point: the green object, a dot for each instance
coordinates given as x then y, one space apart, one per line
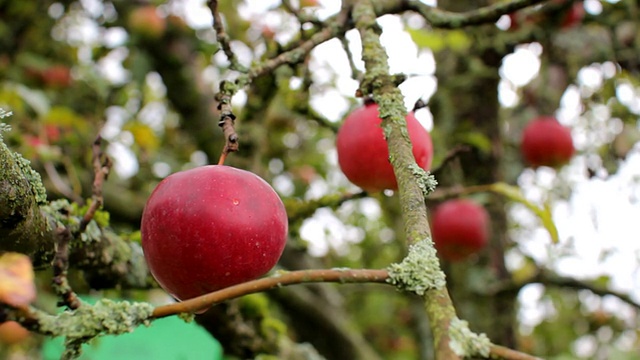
165 339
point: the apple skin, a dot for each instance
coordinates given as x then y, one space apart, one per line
211 227
545 142
363 153
459 228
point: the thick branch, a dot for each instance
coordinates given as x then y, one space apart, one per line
450 20
22 227
29 227
378 81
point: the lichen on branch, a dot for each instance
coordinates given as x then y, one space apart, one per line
419 271
465 342
29 225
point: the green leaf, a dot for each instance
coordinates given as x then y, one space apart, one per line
478 141
544 213
457 40
427 39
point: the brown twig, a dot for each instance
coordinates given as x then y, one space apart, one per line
296 55
501 352
302 17
223 38
227 120
298 210
279 280
60 266
355 73
449 156
101 167
548 279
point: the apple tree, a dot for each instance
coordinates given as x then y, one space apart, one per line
330 138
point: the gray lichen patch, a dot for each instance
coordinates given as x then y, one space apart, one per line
106 317
465 342
419 271
426 181
33 177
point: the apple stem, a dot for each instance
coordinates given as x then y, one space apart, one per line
227 119
231 138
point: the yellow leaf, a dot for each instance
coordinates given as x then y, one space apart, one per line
543 213
17 287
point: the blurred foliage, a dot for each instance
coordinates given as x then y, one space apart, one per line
70 70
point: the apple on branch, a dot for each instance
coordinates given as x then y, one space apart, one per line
211 227
545 142
363 153
459 228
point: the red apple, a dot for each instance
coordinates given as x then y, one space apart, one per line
146 22
459 228
363 154
546 143
211 227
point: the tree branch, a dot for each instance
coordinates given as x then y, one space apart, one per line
279 280
378 81
29 225
223 38
548 279
501 352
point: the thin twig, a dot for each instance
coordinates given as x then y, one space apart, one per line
227 120
101 167
298 54
501 352
302 210
302 17
450 156
60 266
547 279
355 73
223 38
59 184
289 278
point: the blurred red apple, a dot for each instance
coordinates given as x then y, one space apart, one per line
57 76
573 15
211 227
545 142
147 22
363 154
459 228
